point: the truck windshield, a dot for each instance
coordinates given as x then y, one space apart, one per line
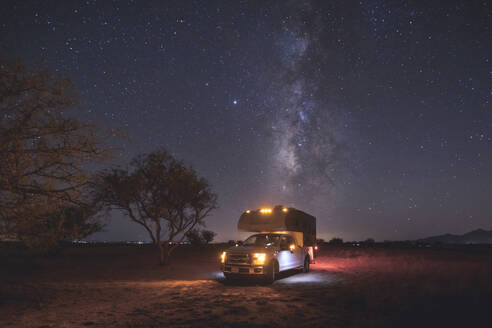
262 240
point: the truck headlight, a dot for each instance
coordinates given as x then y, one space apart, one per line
259 258
223 257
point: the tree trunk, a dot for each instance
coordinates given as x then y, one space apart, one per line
166 253
161 254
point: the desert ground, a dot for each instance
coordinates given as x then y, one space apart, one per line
122 286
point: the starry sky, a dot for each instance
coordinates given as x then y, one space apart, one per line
372 115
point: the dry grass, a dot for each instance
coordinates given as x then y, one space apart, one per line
122 287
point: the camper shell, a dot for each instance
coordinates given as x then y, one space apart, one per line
281 219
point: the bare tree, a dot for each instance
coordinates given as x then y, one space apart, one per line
43 150
161 194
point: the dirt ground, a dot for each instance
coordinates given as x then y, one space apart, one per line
347 287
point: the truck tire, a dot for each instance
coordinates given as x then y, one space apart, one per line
305 268
272 272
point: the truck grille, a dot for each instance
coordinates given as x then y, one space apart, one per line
239 259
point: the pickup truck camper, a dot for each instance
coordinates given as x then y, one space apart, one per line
284 239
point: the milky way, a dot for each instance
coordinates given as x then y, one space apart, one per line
309 145
306 145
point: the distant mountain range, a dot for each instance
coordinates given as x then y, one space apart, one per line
478 236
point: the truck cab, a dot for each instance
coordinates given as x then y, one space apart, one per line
274 248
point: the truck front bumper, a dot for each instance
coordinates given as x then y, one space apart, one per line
242 269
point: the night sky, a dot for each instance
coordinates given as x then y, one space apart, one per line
374 116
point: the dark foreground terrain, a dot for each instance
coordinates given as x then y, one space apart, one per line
120 286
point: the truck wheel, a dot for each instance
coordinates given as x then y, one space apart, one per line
305 268
272 272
